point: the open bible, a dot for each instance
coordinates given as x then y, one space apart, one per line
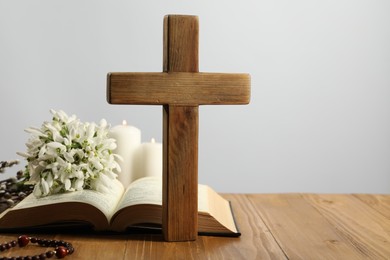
120 210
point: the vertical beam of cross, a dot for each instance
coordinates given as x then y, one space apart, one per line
180 128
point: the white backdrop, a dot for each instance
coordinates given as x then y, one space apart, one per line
319 118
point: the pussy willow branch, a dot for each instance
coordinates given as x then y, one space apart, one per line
5 164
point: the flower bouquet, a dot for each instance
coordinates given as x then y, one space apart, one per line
66 154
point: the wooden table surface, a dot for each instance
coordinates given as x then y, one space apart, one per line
273 226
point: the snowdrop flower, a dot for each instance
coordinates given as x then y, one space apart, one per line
66 155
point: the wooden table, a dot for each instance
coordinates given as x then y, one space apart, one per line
273 226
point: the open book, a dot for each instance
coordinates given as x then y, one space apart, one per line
140 205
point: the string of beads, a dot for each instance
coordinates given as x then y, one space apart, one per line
61 250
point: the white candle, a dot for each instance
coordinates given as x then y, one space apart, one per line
150 159
128 139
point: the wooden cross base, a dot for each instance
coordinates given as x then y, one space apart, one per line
180 89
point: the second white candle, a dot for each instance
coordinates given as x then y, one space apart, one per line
149 159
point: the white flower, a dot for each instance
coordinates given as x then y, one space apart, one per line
68 155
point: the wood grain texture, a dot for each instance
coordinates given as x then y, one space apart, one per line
256 241
379 202
367 230
180 135
87 246
180 167
149 88
273 226
300 230
181 43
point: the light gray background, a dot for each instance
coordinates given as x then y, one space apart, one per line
319 118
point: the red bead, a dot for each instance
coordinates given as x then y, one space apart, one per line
61 251
23 240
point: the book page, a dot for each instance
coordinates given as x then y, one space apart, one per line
147 190
220 209
203 198
105 202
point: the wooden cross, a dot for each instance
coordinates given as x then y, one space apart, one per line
180 89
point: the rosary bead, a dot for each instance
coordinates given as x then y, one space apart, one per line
42 256
23 240
61 252
70 249
50 254
45 242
